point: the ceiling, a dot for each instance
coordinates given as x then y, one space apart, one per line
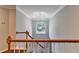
29 9
44 8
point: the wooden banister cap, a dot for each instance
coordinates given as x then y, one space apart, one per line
9 37
27 32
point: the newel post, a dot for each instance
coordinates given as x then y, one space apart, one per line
27 33
9 43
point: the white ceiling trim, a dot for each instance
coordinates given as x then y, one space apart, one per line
20 10
57 11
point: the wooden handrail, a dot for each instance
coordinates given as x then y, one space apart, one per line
10 40
56 41
22 32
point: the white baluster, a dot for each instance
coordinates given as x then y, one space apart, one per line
24 47
19 47
28 50
14 49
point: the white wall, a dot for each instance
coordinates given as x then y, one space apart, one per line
67 27
25 11
23 23
64 25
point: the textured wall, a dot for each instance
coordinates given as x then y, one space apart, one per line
12 22
4 27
